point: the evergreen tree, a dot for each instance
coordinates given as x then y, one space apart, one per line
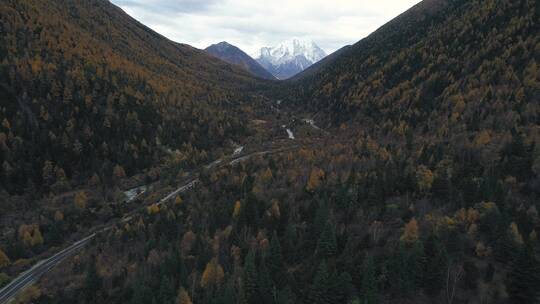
275 260
436 266
369 283
166 293
250 278
319 287
265 285
285 296
327 245
92 282
523 279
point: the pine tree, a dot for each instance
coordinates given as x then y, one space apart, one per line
369 283
319 287
327 245
265 284
403 271
275 260
92 283
166 293
524 278
436 266
250 278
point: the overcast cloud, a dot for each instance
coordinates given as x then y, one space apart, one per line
252 24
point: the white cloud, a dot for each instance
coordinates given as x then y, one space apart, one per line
251 24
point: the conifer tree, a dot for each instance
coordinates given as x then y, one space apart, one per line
92 283
264 284
369 282
327 245
166 292
436 266
250 278
524 278
275 260
319 287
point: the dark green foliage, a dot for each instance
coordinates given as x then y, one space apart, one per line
275 261
250 279
327 245
320 286
436 266
369 292
524 278
265 285
92 283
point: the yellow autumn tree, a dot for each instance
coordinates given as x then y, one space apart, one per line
213 274
4 260
267 175
58 216
424 178
482 138
183 297
187 242
237 209
178 200
152 209
81 200
514 234
274 210
314 180
37 238
118 172
27 239
410 232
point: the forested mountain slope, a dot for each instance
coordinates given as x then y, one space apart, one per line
84 88
441 57
423 189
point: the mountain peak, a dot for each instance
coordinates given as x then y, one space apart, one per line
290 57
234 55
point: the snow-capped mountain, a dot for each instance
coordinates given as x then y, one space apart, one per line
290 57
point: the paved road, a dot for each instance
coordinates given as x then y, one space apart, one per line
33 274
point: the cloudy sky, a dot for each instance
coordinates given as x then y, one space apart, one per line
252 24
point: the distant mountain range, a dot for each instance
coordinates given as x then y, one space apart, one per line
289 57
232 54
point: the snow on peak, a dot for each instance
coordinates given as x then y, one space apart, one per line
288 50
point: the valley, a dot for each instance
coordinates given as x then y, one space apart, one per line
404 168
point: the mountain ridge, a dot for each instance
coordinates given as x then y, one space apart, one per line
290 57
234 55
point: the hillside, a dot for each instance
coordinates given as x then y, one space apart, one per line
83 78
405 169
431 56
233 55
316 67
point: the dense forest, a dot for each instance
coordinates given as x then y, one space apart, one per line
81 78
422 187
